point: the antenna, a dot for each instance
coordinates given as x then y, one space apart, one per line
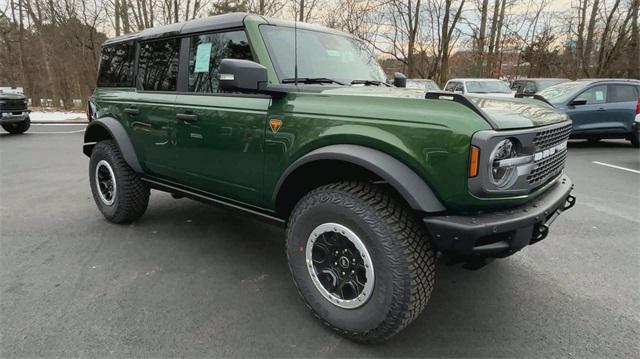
295 52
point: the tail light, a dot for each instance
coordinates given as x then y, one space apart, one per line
638 106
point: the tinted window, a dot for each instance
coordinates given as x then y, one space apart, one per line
205 55
622 93
116 66
594 95
158 65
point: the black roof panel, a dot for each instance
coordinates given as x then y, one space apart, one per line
188 27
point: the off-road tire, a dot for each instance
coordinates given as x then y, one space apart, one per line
401 253
17 127
132 195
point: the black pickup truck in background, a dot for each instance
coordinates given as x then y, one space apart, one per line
14 113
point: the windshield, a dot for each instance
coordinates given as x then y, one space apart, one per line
543 84
320 55
423 85
561 92
487 87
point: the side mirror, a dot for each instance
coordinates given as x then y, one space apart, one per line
399 80
242 75
578 102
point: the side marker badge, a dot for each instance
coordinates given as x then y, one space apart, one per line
275 125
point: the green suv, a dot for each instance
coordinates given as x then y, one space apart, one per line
296 124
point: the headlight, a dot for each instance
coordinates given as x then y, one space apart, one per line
501 173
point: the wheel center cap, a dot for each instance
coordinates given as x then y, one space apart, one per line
344 262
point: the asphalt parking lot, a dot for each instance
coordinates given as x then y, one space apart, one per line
193 280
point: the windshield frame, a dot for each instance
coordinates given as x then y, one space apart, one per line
281 75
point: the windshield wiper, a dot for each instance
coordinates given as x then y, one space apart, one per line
369 82
312 80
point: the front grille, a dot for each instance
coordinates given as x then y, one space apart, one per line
549 166
547 138
13 105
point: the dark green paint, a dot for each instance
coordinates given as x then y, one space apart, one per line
232 153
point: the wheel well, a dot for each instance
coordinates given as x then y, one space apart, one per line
95 134
318 173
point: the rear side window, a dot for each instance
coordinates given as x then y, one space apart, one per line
206 52
116 65
622 93
158 65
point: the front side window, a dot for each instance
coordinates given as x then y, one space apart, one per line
320 55
623 93
594 95
158 65
207 51
453 86
116 65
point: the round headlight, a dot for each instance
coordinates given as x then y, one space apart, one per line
502 176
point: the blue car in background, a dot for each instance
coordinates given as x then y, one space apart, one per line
602 108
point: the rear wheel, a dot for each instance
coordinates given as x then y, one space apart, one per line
17 127
360 259
118 191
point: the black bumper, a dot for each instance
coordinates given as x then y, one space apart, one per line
501 233
13 116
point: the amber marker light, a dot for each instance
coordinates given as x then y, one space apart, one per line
474 161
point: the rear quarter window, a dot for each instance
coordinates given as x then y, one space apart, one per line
116 65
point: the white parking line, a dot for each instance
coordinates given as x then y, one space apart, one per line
618 167
53 132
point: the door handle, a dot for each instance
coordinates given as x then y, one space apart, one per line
187 117
131 111
601 109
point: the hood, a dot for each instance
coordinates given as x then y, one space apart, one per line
502 112
493 94
518 113
11 96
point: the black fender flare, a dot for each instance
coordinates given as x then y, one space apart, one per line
403 179
95 132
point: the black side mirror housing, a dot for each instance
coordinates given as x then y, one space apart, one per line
578 102
399 80
242 75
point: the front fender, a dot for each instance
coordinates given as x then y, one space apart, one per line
411 187
106 128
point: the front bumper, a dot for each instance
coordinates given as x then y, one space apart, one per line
13 116
502 233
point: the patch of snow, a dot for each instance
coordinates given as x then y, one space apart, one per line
39 116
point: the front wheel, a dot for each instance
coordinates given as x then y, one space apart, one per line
118 191
635 139
17 127
361 260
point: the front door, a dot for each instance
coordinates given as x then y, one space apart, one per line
592 115
220 135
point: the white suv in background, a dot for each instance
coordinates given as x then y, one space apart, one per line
479 87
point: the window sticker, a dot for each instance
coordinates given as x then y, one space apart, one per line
599 95
203 57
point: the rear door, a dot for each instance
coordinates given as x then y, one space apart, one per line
591 116
621 106
219 135
151 110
